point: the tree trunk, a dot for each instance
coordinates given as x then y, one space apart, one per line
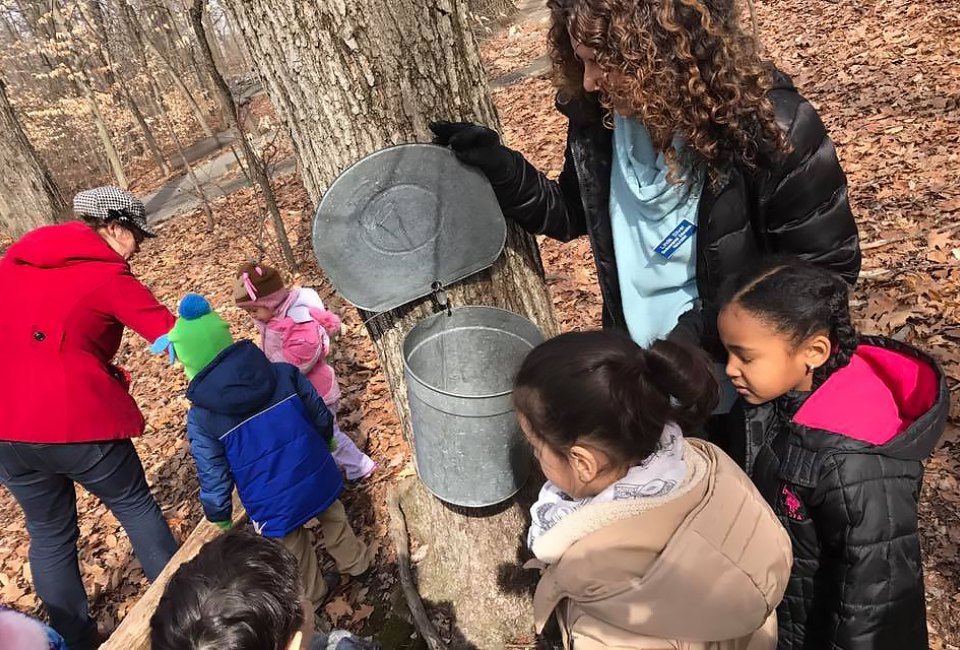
145 129
28 196
92 13
103 132
349 78
254 164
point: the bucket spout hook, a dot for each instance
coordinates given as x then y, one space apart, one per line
440 297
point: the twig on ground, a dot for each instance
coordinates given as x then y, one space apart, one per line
885 274
398 531
880 243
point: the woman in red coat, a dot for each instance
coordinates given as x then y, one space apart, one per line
65 413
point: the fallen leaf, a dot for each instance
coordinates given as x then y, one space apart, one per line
362 612
938 240
338 608
951 205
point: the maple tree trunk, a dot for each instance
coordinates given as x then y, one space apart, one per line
28 196
255 166
347 79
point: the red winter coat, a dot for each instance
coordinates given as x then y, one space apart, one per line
66 299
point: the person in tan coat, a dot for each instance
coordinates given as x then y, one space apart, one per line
646 540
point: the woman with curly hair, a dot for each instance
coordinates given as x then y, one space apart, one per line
688 158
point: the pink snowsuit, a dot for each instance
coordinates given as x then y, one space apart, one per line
299 333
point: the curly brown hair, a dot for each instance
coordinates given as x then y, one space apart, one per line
681 67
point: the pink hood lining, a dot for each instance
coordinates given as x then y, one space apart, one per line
874 398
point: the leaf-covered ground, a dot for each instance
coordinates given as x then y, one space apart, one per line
886 77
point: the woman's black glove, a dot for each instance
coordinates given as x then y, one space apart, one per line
477 146
697 327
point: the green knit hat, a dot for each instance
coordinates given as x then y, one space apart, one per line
198 336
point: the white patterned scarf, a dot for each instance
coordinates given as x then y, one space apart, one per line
657 476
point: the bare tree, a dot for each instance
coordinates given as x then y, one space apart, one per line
164 56
72 60
351 77
28 195
254 166
92 14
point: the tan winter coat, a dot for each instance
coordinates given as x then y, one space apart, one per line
700 569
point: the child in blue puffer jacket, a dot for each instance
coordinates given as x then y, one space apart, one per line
263 427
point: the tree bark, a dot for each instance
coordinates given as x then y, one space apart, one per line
254 165
351 77
28 195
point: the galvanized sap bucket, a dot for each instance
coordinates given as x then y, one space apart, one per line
459 371
399 225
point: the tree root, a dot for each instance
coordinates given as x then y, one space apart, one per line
398 531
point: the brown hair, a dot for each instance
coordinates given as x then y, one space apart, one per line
602 388
682 67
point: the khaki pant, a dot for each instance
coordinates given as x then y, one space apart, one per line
341 543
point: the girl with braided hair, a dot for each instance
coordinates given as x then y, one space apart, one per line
837 429
637 522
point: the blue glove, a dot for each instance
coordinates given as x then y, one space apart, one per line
163 344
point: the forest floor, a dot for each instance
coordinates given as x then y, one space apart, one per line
886 79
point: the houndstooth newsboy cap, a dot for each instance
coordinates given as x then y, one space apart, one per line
109 203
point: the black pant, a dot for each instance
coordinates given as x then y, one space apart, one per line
41 478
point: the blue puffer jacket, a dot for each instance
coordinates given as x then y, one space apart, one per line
262 426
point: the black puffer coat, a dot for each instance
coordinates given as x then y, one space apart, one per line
849 504
798 207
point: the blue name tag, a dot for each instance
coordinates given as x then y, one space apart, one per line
675 239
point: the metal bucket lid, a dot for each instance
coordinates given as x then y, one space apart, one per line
403 218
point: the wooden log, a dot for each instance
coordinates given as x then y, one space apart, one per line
133 633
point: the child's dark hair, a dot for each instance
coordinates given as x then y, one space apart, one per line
602 388
799 300
241 592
